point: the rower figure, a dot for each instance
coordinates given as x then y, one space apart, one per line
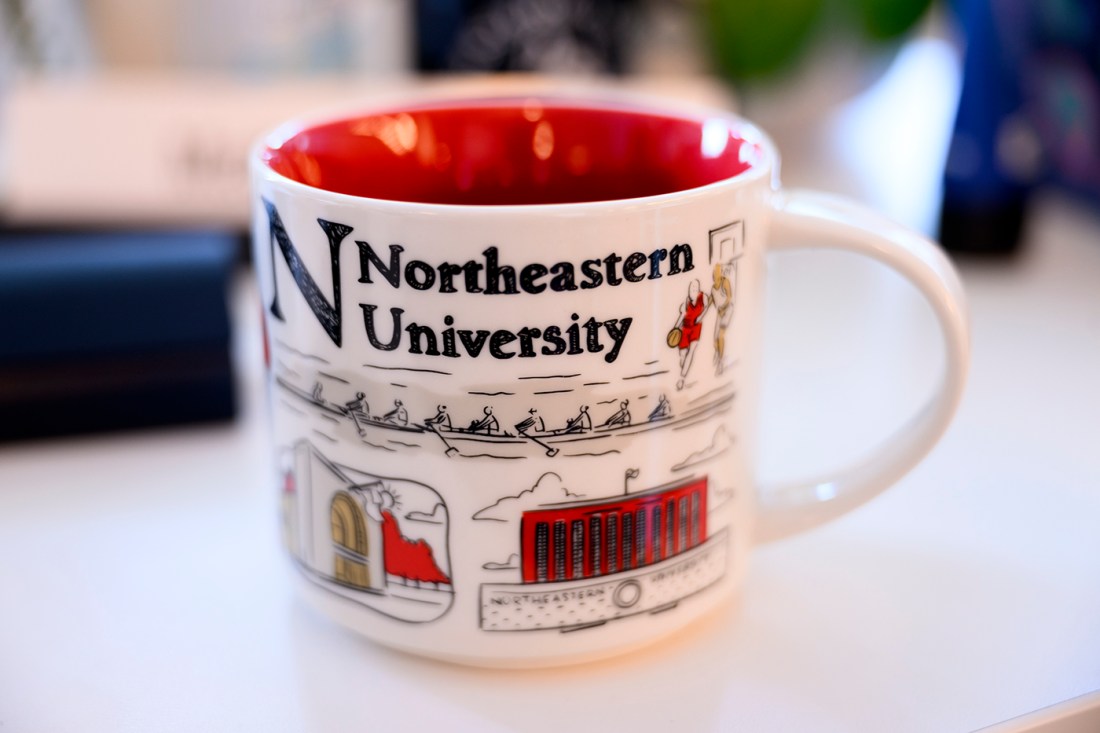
487 424
662 410
621 418
398 415
358 407
441 418
534 420
582 423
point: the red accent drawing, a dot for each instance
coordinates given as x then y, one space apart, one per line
691 325
405 558
586 539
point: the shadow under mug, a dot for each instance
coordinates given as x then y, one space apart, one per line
513 351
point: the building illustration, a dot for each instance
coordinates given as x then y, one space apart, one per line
583 563
376 540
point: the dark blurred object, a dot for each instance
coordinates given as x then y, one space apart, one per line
757 39
550 36
1029 113
113 330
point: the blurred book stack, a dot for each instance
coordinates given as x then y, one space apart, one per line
113 330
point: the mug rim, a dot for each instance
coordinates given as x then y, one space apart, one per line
745 129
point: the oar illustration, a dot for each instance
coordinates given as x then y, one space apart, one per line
550 450
451 450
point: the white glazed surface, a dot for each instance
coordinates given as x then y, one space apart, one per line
472 493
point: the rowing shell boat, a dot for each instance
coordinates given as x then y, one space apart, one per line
361 421
473 442
597 441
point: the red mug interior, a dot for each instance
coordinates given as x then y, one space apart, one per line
511 153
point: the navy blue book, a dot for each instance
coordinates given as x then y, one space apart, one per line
103 331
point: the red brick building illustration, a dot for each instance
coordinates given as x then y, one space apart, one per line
602 537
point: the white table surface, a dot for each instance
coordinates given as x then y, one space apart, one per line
142 586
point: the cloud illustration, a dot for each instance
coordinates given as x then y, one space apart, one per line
512 563
721 496
719 444
547 490
438 515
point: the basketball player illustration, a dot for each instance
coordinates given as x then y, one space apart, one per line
721 297
690 325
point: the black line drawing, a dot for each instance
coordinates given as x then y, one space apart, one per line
548 489
487 434
705 395
492 455
398 416
702 415
720 443
329 438
552 376
650 374
284 369
620 418
727 242
721 496
292 408
512 563
438 515
662 411
379 541
408 369
585 562
283 346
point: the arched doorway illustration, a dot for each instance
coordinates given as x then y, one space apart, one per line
349 537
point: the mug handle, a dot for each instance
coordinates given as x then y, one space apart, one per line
812 220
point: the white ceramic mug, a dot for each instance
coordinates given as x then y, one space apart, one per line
514 359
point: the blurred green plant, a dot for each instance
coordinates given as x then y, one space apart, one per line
757 39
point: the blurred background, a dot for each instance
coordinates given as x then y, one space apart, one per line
144 590
124 128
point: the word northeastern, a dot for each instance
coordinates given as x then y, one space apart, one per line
492 278
393 329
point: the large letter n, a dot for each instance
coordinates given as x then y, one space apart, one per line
329 316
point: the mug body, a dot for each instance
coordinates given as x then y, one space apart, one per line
513 429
